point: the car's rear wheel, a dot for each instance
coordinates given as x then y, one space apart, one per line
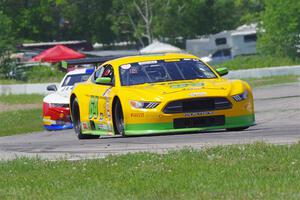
238 129
118 118
77 122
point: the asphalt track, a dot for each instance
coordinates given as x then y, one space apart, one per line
277 116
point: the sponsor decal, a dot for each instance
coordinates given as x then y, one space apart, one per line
198 114
197 94
101 117
137 115
194 88
106 105
107 92
85 125
183 85
108 114
103 127
109 127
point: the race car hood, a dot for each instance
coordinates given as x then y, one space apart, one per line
185 89
61 96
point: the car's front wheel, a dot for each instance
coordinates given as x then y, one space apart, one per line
118 118
77 122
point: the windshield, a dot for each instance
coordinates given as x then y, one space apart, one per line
160 71
70 80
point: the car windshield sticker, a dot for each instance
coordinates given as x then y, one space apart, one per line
133 70
172 60
148 62
126 66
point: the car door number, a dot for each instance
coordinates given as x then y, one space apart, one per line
93 107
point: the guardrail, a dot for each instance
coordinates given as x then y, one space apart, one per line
37 88
40 88
264 72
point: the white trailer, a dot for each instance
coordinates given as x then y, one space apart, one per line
225 45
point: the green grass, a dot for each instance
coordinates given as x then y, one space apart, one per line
258 61
36 74
21 99
272 80
257 171
44 74
21 121
10 81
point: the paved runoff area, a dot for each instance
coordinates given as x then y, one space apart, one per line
277 116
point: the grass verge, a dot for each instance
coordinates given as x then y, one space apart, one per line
258 61
22 99
36 74
257 171
272 80
21 121
10 81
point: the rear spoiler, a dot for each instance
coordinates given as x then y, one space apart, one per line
70 65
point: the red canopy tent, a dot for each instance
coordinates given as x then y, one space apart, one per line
57 54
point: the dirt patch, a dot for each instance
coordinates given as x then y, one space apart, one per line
13 107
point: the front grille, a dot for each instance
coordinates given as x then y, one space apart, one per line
197 105
198 122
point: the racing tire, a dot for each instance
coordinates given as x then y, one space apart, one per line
237 129
77 122
118 119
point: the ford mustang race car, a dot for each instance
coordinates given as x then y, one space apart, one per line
56 111
151 94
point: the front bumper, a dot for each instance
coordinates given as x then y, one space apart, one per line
57 118
54 127
152 121
168 127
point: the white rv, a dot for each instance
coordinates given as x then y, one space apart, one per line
225 45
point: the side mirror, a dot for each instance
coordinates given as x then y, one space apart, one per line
222 71
51 88
103 80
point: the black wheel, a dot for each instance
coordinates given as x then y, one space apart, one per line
238 129
77 122
118 118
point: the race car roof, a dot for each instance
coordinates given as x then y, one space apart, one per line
151 57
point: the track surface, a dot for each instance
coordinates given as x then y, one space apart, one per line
277 116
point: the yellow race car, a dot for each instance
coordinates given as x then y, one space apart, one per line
154 94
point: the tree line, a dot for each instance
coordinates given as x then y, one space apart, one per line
141 21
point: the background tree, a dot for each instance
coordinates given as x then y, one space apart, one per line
35 20
6 43
281 28
87 20
133 19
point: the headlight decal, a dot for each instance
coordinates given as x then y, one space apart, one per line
151 104
240 97
143 105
